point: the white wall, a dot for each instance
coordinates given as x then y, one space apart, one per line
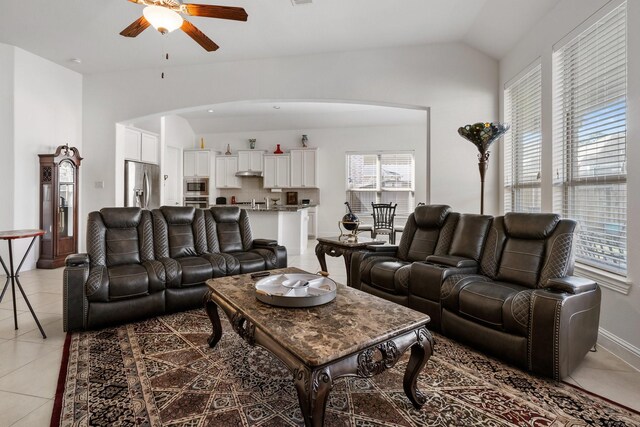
46 113
332 144
620 313
456 81
6 138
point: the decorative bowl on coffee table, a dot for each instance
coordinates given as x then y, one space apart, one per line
296 290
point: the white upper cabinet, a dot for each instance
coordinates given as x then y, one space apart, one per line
277 171
226 168
250 160
141 146
196 163
304 168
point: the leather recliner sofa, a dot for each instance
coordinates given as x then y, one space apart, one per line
505 286
141 264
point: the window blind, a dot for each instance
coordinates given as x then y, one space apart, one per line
380 177
589 139
522 161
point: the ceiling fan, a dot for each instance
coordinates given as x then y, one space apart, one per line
165 16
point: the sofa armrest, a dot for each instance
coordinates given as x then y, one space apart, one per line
563 327
452 261
261 243
74 298
570 284
77 260
386 249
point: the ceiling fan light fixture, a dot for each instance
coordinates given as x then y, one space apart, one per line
162 19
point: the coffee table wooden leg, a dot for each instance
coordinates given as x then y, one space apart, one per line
420 354
313 389
321 257
212 312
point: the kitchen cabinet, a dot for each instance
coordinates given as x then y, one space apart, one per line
226 168
277 171
196 163
250 160
312 229
304 168
141 146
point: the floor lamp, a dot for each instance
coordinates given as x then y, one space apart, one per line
483 135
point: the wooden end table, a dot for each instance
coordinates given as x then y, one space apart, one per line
357 334
13 274
341 246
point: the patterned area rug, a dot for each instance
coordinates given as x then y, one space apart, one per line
161 372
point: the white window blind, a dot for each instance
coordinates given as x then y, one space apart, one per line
522 161
380 177
589 138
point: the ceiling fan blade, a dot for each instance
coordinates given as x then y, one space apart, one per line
211 11
198 36
138 26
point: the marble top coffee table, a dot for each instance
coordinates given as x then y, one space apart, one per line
357 334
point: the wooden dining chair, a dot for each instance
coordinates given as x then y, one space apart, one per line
383 217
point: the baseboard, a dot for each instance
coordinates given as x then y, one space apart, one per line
619 347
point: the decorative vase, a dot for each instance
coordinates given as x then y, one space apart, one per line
482 135
304 141
228 152
278 150
252 143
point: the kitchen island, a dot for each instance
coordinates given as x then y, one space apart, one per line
286 224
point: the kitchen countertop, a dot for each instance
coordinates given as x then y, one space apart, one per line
279 208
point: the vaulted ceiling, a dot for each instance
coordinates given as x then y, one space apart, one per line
89 29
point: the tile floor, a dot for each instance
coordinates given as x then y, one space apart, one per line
29 365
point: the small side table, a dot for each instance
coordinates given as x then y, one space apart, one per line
340 246
12 275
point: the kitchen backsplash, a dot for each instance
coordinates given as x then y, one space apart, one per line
252 189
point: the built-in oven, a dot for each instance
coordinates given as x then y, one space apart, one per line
197 201
196 187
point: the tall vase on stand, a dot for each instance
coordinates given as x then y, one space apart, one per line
482 135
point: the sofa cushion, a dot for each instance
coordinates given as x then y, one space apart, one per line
195 270
181 241
431 216
469 236
423 244
390 276
127 281
121 217
122 246
229 237
484 302
530 226
178 214
521 262
249 261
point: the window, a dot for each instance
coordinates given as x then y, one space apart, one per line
522 161
589 138
380 177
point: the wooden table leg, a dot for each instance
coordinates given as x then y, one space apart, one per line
347 263
313 389
320 251
420 353
212 312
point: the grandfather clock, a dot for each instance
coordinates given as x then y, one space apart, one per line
58 205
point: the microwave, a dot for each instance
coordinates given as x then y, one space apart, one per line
196 187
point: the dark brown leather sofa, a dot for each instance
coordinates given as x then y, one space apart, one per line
141 264
504 285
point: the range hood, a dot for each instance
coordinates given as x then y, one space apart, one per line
257 174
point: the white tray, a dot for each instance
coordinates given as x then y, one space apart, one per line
296 290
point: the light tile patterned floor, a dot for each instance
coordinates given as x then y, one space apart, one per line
29 365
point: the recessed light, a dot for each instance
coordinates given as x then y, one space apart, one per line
76 60
209 111
276 107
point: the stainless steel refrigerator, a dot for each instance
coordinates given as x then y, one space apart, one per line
141 185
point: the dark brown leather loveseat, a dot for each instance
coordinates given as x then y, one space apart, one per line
141 264
505 285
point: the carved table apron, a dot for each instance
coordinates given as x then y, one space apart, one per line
340 246
313 381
